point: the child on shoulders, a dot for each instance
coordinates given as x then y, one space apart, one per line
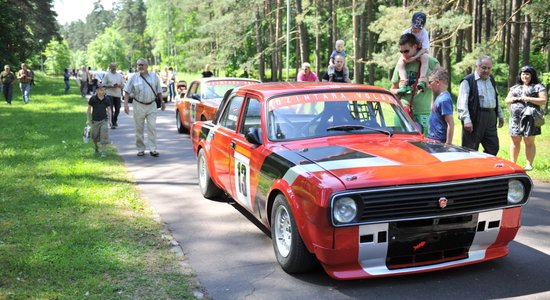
421 34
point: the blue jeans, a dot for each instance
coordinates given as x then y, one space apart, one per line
25 90
172 90
67 86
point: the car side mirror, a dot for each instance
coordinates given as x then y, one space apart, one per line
254 135
196 97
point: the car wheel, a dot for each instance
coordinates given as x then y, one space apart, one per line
181 128
208 188
290 250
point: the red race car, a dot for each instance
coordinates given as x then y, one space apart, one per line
341 175
203 98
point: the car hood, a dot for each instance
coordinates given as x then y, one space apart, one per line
393 161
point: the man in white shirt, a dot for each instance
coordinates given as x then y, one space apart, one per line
114 82
145 86
478 108
83 78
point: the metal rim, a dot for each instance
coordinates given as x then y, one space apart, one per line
283 231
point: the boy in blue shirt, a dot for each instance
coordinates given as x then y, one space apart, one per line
442 125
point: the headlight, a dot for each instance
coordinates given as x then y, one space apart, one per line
344 210
516 191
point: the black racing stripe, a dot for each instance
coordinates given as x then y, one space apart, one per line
436 147
274 167
330 153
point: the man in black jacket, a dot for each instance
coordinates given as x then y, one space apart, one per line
478 108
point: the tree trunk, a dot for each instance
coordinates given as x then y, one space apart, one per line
318 57
487 22
509 32
302 31
259 50
504 34
272 40
356 47
278 54
331 40
370 45
526 40
468 32
360 78
514 43
446 59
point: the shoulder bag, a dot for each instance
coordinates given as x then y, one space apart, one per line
158 100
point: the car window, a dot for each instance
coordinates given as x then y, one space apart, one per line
318 115
231 113
251 117
192 90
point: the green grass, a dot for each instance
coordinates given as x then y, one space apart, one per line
72 225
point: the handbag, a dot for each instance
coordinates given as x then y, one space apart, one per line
86 134
158 100
538 118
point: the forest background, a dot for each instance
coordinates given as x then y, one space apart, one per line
236 35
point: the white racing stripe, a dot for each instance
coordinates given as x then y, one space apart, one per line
450 156
293 173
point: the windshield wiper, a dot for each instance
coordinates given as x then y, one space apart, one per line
357 127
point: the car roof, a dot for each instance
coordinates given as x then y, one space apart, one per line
273 89
207 79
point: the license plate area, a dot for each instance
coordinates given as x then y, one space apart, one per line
430 241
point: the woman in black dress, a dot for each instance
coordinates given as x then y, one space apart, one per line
528 92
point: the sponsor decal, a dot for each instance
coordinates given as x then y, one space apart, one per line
236 83
328 97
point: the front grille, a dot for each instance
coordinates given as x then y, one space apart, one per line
419 201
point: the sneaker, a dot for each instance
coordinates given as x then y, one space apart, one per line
404 89
140 153
528 168
154 153
421 86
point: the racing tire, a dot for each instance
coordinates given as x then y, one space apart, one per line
289 247
208 188
179 124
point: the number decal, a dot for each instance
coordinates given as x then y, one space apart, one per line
242 179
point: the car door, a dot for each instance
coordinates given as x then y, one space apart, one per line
220 141
190 104
244 155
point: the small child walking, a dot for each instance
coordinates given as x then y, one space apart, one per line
441 126
421 34
99 106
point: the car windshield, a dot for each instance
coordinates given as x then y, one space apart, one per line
214 90
328 114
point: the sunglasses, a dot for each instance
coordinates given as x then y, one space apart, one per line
140 65
404 51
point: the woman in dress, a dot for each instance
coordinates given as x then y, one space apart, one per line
528 92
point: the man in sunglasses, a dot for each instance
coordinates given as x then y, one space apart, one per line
422 102
145 86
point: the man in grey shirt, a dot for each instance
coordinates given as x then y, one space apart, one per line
145 86
478 108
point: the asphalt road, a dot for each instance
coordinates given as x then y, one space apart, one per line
234 259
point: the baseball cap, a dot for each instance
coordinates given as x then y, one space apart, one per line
418 20
101 85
